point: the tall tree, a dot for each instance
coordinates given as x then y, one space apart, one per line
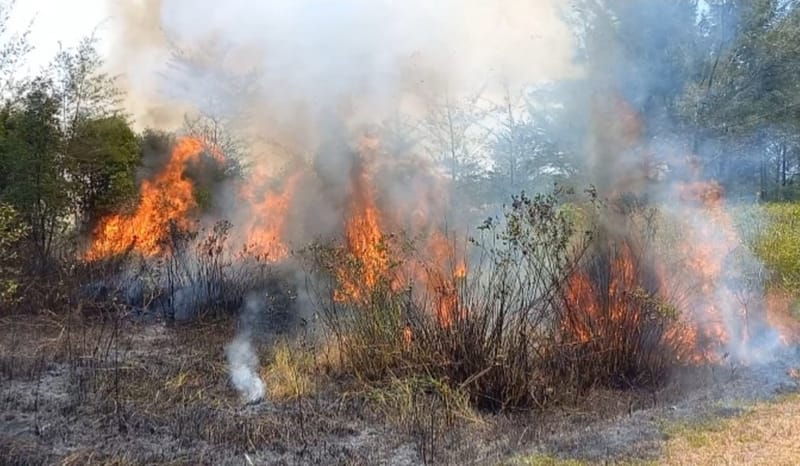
31 157
746 98
84 89
14 46
456 135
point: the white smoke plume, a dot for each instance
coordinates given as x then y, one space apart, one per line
243 366
243 361
314 59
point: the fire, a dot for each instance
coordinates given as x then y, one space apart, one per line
433 278
779 315
169 197
581 295
712 239
441 277
604 310
716 315
697 273
266 225
365 241
616 302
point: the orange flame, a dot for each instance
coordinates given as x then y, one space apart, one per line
169 197
596 317
437 274
365 241
442 276
705 250
265 227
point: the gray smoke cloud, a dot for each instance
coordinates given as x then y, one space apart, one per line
299 82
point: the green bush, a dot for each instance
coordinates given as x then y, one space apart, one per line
12 231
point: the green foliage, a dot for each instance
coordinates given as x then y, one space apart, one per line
104 154
751 80
12 231
32 164
85 91
62 148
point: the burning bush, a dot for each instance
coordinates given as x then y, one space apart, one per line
617 328
201 274
544 310
366 316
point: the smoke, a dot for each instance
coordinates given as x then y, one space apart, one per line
243 366
297 83
305 84
136 29
351 60
242 359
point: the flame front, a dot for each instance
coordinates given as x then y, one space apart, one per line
433 278
365 242
606 310
268 217
441 277
169 197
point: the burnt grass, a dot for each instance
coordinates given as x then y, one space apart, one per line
94 390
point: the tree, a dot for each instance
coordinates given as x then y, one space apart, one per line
85 91
455 133
31 158
100 149
104 154
637 56
13 48
746 97
526 152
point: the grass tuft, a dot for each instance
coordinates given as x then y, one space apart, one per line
289 376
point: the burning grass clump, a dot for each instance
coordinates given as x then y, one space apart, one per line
618 328
544 311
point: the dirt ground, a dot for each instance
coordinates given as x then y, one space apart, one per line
119 392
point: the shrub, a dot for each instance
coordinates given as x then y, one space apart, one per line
12 231
544 310
618 328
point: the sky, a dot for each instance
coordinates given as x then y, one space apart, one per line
67 21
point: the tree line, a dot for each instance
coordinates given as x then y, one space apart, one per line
717 79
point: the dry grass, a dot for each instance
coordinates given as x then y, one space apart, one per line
155 384
544 460
767 434
290 374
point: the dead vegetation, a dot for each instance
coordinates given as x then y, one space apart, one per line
436 368
544 313
741 439
153 386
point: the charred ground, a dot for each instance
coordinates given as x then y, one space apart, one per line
120 392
